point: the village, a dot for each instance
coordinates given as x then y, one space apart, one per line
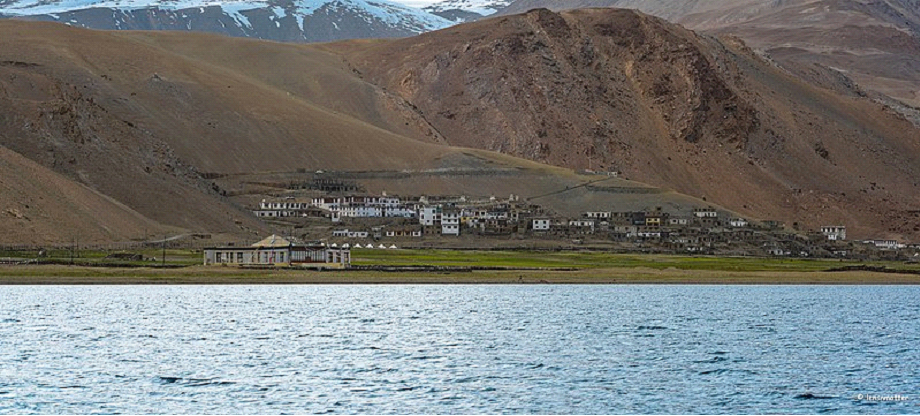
384 221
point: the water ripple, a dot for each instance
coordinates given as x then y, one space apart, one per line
458 349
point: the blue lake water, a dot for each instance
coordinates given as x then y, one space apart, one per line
459 349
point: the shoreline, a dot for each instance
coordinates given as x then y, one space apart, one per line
220 275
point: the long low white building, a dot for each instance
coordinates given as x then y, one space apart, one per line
276 251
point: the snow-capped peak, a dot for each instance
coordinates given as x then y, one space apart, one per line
281 20
482 7
384 10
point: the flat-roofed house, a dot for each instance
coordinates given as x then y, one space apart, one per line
738 222
541 224
834 232
277 251
450 222
705 213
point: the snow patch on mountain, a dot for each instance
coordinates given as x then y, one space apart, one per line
481 7
385 11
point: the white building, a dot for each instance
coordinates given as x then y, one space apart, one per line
450 223
705 213
277 251
288 207
834 232
350 234
429 216
738 222
584 226
541 224
364 207
678 221
886 244
581 223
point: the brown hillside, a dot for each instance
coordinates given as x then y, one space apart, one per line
124 114
188 130
613 89
874 42
710 12
39 206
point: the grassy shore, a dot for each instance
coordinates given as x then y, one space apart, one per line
52 274
503 267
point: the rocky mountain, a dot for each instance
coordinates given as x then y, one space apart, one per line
873 43
617 90
279 20
467 10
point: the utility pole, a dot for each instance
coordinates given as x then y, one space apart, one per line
164 251
73 249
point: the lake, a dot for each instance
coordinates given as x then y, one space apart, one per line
459 349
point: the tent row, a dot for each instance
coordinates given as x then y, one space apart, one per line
369 245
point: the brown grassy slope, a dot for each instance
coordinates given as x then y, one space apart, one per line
36 203
141 124
63 109
305 75
198 107
166 123
615 89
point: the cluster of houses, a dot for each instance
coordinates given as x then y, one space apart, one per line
839 233
443 215
702 230
338 207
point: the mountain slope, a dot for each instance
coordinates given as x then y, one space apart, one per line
612 89
38 203
674 10
145 126
187 130
280 20
875 43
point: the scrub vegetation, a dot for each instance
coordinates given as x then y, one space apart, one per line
452 266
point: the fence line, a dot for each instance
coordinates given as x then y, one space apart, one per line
187 244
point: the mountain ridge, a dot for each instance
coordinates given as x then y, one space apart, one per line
279 20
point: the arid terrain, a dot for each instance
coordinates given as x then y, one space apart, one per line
169 133
873 43
162 133
610 89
